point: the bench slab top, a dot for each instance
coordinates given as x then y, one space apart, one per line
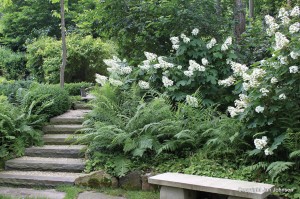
222 186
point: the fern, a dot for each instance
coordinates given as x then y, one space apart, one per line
295 154
278 167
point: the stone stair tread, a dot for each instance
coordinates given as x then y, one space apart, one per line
71 116
62 127
61 136
60 139
43 160
82 106
59 151
79 147
37 178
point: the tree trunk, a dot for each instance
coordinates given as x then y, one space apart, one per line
289 3
64 46
239 17
251 9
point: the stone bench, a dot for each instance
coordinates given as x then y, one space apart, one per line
182 186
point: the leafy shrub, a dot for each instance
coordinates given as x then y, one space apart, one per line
12 65
84 58
74 88
19 127
10 88
49 93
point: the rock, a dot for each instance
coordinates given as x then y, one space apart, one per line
132 181
97 179
145 185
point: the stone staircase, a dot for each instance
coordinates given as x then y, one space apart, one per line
57 162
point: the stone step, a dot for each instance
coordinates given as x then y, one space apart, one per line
37 178
45 164
59 139
70 117
58 151
83 106
19 193
62 128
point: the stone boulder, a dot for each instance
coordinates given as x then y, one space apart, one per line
131 181
97 179
145 185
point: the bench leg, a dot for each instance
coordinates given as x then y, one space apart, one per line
176 193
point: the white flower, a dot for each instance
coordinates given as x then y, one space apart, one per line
191 101
167 82
281 41
143 85
101 79
174 40
238 69
285 20
156 66
224 47
269 19
294 28
179 67
146 65
294 69
282 96
283 60
274 80
268 152
150 56
175 47
283 13
246 86
164 64
227 82
212 42
115 82
125 70
295 12
242 102
195 66
264 91
228 41
261 143
204 61
186 40
259 109
195 31
294 55
272 29
234 111
188 73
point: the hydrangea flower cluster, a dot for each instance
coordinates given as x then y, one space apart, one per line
167 82
259 109
211 44
284 16
117 66
227 82
115 82
294 28
175 41
144 85
227 43
281 41
273 26
294 69
192 101
261 144
185 38
295 12
240 105
195 31
101 79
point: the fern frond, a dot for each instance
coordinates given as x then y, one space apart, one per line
278 167
295 154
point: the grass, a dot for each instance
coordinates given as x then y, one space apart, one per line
73 191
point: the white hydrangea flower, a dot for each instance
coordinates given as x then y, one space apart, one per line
211 44
185 38
242 102
238 69
281 41
294 69
150 56
179 67
167 82
259 109
101 79
261 143
268 152
295 11
283 13
191 101
115 82
144 85
204 61
195 31
227 82
188 73
224 47
246 86
294 55
125 70
156 66
164 64
264 91
285 20
269 19
228 41
175 47
175 40
294 28
282 96
234 111
146 65
195 66
273 27
283 60
274 80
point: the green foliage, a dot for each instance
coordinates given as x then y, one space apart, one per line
132 23
12 65
58 97
10 88
74 88
84 58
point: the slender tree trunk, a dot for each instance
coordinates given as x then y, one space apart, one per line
289 3
64 46
239 17
251 9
